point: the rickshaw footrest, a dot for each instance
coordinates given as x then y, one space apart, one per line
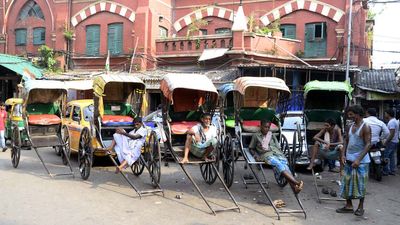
151 191
226 209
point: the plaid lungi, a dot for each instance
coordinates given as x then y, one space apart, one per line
354 181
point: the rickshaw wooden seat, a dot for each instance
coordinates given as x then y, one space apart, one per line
182 127
43 119
42 108
184 115
320 115
315 125
116 120
117 108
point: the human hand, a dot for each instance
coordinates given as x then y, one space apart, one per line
120 131
356 163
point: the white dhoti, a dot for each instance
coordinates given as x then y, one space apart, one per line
127 149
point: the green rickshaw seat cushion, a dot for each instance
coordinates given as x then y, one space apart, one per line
43 119
230 123
182 127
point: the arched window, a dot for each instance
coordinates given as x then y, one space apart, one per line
163 32
30 9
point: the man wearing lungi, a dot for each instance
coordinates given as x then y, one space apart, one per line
267 148
357 145
201 140
128 146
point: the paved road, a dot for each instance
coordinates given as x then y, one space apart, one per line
28 196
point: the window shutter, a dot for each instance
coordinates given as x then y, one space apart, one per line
39 35
93 40
310 32
115 33
20 37
288 31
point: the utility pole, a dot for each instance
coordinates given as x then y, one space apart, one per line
349 39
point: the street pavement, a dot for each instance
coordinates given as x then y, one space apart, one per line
28 196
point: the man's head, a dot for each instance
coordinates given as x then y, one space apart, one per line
355 112
264 126
2 106
371 112
205 119
138 122
329 123
389 114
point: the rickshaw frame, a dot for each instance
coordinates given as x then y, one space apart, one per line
341 89
205 96
280 93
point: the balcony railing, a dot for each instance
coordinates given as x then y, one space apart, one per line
192 45
261 44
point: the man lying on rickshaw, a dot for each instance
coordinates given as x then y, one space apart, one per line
126 145
201 140
267 148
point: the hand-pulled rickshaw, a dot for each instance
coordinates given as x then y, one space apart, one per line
244 104
323 100
185 98
15 121
42 109
117 101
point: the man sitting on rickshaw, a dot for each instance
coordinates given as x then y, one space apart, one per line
201 139
267 148
128 146
329 143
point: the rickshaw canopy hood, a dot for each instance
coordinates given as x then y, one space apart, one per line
79 84
99 82
328 86
171 82
242 83
225 89
14 101
44 84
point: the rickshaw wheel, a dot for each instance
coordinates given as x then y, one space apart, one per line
16 147
65 141
207 171
154 159
85 154
285 146
228 161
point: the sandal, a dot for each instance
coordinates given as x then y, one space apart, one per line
359 212
344 210
325 191
333 193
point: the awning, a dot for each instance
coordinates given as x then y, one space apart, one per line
79 84
212 53
20 66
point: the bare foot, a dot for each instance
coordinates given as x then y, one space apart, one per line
299 187
117 170
310 166
185 160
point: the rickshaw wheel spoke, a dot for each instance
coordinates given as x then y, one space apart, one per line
85 155
208 173
16 147
228 162
154 160
65 138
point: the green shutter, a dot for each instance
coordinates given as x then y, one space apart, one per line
114 42
314 47
288 31
20 37
39 35
93 40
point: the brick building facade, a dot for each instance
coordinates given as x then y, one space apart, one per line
166 30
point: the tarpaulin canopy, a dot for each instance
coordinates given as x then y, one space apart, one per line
99 82
79 84
242 83
328 86
20 66
225 89
44 91
171 82
212 53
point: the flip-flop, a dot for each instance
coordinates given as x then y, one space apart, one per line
325 191
117 170
359 212
298 188
344 210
